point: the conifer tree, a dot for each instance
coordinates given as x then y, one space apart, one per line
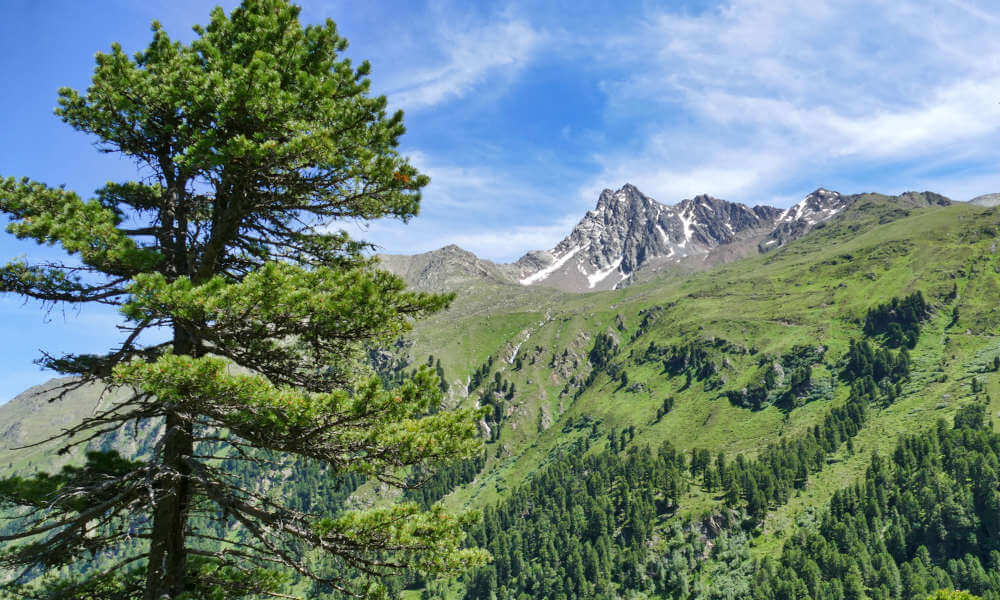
253 140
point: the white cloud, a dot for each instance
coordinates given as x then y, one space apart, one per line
727 177
775 91
469 57
489 212
509 243
476 190
501 243
955 113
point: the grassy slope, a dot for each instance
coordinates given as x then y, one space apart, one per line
813 291
40 412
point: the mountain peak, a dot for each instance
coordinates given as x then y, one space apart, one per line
629 229
626 195
443 269
817 206
452 249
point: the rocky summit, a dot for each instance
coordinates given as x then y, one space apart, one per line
628 230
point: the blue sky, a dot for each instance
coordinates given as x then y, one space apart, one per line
521 112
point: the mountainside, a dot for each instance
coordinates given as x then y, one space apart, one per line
669 438
444 269
800 218
629 237
628 230
986 200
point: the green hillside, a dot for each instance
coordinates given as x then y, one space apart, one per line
747 360
812 292
750 314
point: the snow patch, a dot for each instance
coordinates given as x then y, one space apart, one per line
555 266
789 215
617 286
687 221
663 234
601 275
513 354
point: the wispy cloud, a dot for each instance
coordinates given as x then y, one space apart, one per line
777 92
469 58
508 243
480 191
484 210
728 174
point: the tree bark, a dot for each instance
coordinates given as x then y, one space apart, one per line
166 570
165 576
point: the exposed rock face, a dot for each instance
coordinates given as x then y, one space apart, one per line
795 222
444 269
986 200
921 199
628 229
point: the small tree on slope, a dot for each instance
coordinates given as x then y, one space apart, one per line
254 138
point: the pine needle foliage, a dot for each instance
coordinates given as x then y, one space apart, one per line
253 141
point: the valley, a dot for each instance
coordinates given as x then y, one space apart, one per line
733 353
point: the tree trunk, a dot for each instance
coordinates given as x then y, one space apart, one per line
165 573
165 576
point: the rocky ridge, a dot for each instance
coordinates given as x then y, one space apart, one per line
628 229
444 269
629 232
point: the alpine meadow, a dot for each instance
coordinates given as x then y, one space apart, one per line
704 400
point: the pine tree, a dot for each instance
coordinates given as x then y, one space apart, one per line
254 139
952 595
770 377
